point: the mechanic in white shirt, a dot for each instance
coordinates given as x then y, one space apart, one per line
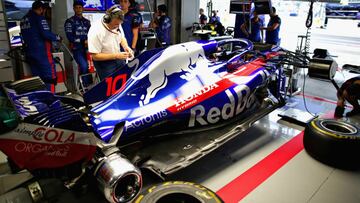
104 40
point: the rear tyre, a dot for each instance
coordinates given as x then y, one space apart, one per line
177 192
332 142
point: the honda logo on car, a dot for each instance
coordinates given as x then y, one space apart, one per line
192 98
48 135
199 115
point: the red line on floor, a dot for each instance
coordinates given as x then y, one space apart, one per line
256 175
319 99
325 100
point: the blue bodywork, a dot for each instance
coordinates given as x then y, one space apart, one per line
148 97
185 86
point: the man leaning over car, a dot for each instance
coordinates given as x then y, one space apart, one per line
104 39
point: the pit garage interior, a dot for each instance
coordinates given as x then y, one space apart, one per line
266 160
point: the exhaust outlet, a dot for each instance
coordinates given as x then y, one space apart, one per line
118 178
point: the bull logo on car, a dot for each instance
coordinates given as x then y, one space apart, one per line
182 59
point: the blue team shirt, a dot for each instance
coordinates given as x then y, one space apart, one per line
272 37
203 19
239 20
76 30
132 19
36 33
163 29
37 39
214 19
255 30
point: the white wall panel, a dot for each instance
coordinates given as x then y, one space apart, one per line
189 15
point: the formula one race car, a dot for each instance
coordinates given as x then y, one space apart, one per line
166 109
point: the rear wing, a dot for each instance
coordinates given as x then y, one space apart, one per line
28 96
11 109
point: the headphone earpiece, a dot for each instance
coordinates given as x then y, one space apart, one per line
107 18
110 15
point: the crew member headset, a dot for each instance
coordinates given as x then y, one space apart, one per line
112 13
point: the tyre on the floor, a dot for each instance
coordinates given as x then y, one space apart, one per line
335 143
177 192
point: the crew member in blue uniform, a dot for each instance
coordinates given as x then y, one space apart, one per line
162 25
134 8
273 28
239 20
203 18
214 18
38 40
76 29
253 34
131 24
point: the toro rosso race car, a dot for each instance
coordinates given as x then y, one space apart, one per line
166 109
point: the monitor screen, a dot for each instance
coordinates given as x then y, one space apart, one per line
94 5
16 9
240 7
263 7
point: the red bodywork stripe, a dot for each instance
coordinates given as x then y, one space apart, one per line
222 85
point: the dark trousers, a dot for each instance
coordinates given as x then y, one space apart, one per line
81 60
44 67
106 68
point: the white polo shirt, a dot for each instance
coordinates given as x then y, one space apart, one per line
101 40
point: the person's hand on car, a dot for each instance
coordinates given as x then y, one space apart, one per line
122 55
130 51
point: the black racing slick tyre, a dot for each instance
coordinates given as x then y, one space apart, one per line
332 142
177 192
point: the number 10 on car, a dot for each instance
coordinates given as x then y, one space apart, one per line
113 85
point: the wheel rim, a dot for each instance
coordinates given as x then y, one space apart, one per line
338 127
